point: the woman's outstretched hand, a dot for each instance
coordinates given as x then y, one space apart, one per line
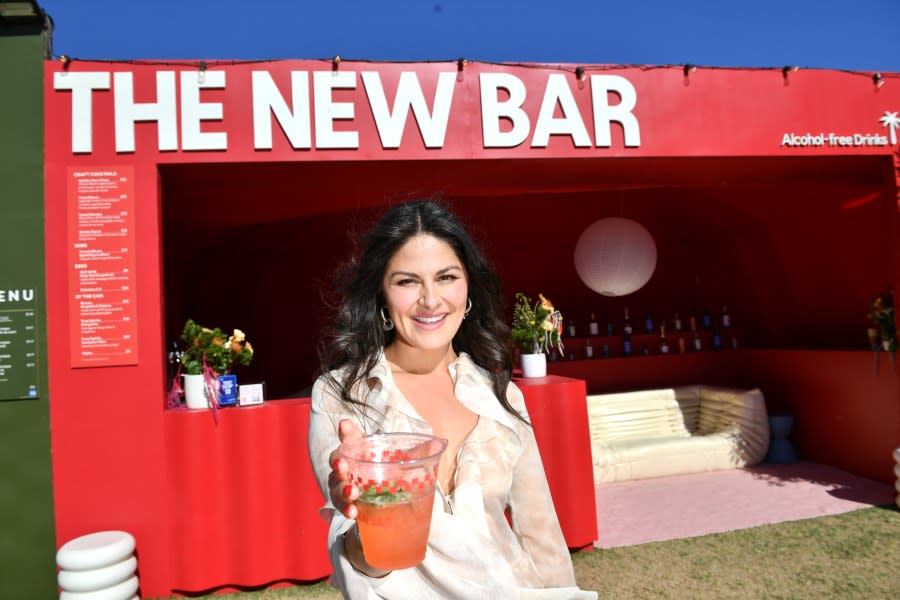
343 492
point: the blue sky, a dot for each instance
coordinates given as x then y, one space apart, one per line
839 34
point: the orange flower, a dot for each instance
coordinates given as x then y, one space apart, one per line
546 303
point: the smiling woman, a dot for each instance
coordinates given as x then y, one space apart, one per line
419 346
425 294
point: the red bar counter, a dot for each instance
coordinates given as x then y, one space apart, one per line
558 409
243 501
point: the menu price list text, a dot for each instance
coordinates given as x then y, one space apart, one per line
101 275
18 355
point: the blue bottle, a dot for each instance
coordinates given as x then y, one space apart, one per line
717 339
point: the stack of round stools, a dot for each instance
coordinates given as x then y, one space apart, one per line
897 473
98 566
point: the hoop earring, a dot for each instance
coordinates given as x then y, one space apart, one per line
386 322
468 309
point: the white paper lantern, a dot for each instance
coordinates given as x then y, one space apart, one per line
615 256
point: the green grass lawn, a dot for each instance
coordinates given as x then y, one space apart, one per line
853 555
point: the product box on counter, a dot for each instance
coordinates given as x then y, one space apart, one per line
250 394
228 390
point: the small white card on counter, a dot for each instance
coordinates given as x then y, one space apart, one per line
250 394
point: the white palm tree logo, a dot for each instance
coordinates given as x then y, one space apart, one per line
892 122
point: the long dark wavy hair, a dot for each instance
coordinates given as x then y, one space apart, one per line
356 335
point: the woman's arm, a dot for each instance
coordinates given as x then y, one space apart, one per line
331 424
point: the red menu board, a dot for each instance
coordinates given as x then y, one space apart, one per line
100 202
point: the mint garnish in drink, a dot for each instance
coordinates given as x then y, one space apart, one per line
380 496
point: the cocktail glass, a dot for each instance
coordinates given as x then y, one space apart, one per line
396 475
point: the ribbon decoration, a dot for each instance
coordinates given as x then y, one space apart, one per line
210 381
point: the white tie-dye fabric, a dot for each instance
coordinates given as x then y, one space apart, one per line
473 552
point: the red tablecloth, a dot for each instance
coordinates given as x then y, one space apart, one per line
242 498
558 410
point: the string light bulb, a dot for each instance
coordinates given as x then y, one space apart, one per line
878 80
688 69
201 75
460 67
579 73
787 70
65 59
335 63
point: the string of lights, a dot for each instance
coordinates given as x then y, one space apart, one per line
581 72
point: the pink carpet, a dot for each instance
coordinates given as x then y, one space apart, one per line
667 508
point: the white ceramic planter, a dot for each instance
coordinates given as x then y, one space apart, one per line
534 365
196 394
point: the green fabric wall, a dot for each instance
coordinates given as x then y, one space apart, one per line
27 539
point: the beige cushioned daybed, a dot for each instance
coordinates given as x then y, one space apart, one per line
652 433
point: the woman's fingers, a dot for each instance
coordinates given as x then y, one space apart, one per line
343 492
348 431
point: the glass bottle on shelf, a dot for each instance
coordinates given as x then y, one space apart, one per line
605 351
645 351
698 343
588 349
593 326
663 343
571 329
734 342
677 322
648 322
717 339
627 327
693 322
726 317
707 319
681 345
173 357
609 329
626 344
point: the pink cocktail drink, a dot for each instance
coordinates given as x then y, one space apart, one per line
395 474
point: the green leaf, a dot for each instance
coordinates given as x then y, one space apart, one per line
370 496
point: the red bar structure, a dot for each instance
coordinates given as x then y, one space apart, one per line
773 192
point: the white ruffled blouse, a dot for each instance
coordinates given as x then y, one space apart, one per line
473 552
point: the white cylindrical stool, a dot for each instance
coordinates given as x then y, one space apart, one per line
98 566
120 591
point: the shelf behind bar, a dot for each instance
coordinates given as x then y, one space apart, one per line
577 344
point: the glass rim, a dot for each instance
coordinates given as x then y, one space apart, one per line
424 437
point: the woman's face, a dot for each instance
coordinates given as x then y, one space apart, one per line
425 291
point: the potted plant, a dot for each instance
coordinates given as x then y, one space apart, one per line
535 330
881 312
209 354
